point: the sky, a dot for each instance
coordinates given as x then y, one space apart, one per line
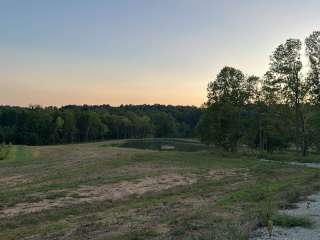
138 51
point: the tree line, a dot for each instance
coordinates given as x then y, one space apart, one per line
277 111
36 125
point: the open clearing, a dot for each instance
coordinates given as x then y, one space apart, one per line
97 191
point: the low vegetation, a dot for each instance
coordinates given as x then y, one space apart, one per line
285 220
290 156
4 151
99 191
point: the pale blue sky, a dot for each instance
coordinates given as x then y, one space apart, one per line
55 52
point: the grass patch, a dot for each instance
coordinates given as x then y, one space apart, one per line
291 156
289 221
4 151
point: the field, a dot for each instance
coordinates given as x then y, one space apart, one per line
107 191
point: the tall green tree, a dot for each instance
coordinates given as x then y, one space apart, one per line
313 53
164 125
220 125
223 121
229 86
286 67
69 127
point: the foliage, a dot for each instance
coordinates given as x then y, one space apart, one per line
273 113
69 124
228 87
313 53
220 125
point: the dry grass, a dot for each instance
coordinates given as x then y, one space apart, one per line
88 191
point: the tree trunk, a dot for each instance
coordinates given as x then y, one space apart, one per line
297 126
261 144
304 144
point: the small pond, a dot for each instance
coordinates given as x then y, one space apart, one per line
164 145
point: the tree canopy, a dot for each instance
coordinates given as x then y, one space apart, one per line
277 111
51 125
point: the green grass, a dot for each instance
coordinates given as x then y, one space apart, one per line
231 191
288 221
4 151
291 156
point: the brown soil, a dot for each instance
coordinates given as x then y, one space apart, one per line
112 192
12 180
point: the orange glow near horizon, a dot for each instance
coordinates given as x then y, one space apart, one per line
138 52
138 91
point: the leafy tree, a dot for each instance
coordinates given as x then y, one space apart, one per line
220 125
313 53
313 126
286 66
271 89
164 124
69 127
59 123
223 121
229 86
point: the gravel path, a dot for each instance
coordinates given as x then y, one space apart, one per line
309 208
311 165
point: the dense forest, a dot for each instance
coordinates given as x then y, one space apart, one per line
36 125
281 110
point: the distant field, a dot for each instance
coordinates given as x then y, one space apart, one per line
100 191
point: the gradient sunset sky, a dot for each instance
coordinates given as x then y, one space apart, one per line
57 52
